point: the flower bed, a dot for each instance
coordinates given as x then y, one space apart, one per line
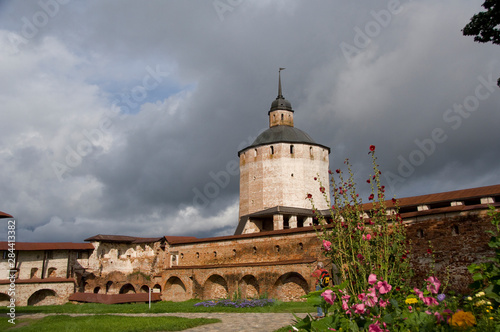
237 303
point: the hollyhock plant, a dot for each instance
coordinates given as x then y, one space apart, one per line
433 285
383 287
327 245
329 296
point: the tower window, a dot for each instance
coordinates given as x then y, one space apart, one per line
281 117
291 149
272 149
215 253
255 152
311 151
254 250
197 255
277 248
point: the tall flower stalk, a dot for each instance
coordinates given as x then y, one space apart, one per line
363 239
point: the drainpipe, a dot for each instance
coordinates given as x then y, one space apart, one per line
43 264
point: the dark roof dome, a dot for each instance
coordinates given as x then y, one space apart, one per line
281 103
282 134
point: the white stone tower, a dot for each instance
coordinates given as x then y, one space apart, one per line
277 172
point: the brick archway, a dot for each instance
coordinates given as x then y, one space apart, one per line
249 287
215 288
127 289
4 299
43 297
290 287
175 290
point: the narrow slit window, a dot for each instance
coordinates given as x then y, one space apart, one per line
291 149
272 149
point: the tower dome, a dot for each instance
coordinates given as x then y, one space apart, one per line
277 171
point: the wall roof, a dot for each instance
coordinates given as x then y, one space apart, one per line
5 215
34 246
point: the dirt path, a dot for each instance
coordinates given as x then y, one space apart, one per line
231 322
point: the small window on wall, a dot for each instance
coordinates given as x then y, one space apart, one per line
420 233
272 149
254 249
311 151
277 248
197 255
282 117
215 253
234 252
291 149
255 152
301 246
454 230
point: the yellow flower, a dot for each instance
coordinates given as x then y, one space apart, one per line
491 317
411 300
462 320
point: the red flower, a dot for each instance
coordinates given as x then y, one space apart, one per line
309 196
368 181
394 201
329 171
322 189
429 251
337 170
372 148
333 207
315 178
370 197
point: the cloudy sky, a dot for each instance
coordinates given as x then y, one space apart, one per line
125 117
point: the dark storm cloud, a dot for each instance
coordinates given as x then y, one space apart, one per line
167 167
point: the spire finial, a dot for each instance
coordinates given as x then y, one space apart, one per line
280 95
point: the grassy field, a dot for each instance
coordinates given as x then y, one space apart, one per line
108 323
99 321
159 307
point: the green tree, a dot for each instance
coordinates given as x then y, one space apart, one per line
485 26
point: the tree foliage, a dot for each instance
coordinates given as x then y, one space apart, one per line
485 25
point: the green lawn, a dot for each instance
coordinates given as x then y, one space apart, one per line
159 307
108 323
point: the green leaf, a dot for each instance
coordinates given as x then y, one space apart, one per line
388 319
477 276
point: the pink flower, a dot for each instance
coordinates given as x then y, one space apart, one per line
433 285
327 245
375 328
372 278
329 296
359 308
383 287
419 293
383 303
367 237
345 306
430 301
439 317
